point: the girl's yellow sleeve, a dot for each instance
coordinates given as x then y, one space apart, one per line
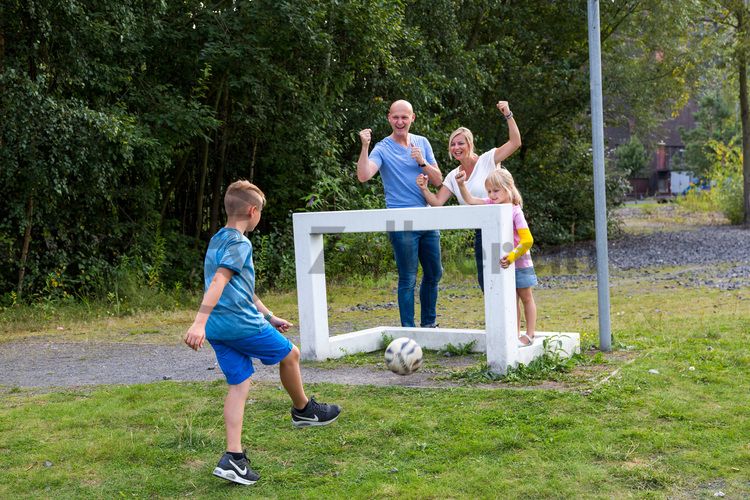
525 243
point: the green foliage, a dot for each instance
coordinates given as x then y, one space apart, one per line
558 194
274 260
545 367
726 172
699 201
458 350
120 132
385 340
457 251
358 255
652 61
715 120
632 158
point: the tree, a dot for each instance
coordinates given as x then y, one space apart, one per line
122 122
715 121
731 19
632 158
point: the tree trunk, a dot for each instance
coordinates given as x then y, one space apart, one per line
2 52
204 165
252 160
218 181
744 109
26 244
172 185
199 197
2 68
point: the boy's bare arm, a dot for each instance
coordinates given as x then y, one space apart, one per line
196 334
280 324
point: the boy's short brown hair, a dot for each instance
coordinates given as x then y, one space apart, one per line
239 195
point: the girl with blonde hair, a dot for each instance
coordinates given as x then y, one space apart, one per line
502 189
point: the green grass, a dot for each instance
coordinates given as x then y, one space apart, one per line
685 213
633 433
699 201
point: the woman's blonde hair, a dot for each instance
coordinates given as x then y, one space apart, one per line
469 139
501 178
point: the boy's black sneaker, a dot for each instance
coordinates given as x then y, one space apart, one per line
236 470
315 414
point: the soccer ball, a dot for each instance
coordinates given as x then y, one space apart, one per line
403 356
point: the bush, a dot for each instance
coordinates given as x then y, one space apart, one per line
726 172
632 158
273 257
729 198
699 201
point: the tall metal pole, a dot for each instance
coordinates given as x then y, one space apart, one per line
600 200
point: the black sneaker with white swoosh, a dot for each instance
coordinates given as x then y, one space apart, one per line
236 470
315 414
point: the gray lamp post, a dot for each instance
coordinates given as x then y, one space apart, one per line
600 200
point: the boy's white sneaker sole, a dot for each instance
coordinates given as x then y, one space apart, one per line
312 423
231 476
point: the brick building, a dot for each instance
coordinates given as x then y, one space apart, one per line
666 174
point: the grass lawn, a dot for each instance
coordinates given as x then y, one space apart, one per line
681 432
665 415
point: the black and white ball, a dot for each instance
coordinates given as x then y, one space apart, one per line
403 356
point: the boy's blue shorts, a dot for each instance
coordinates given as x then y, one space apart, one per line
235 356
525 277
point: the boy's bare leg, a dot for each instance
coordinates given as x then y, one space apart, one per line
234 411
529 309
291 378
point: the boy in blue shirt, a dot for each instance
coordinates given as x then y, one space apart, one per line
240 327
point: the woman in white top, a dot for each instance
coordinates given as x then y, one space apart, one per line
476 168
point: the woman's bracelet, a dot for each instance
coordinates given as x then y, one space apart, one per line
509 115
268 315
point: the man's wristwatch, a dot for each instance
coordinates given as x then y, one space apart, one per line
422 165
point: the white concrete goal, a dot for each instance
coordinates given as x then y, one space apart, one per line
498 340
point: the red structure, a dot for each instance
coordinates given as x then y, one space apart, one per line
666 150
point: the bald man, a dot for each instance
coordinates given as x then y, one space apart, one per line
400 158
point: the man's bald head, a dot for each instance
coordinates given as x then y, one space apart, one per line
401 116
401 106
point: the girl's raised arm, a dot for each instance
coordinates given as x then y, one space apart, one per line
465 194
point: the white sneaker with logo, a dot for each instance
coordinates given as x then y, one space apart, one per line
236 470
315 414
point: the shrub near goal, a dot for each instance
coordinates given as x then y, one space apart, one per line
403 356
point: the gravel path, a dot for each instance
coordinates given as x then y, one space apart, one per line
36 364
724 250
720 256
708 246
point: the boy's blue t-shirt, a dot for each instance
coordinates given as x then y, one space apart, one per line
399 170
235 315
